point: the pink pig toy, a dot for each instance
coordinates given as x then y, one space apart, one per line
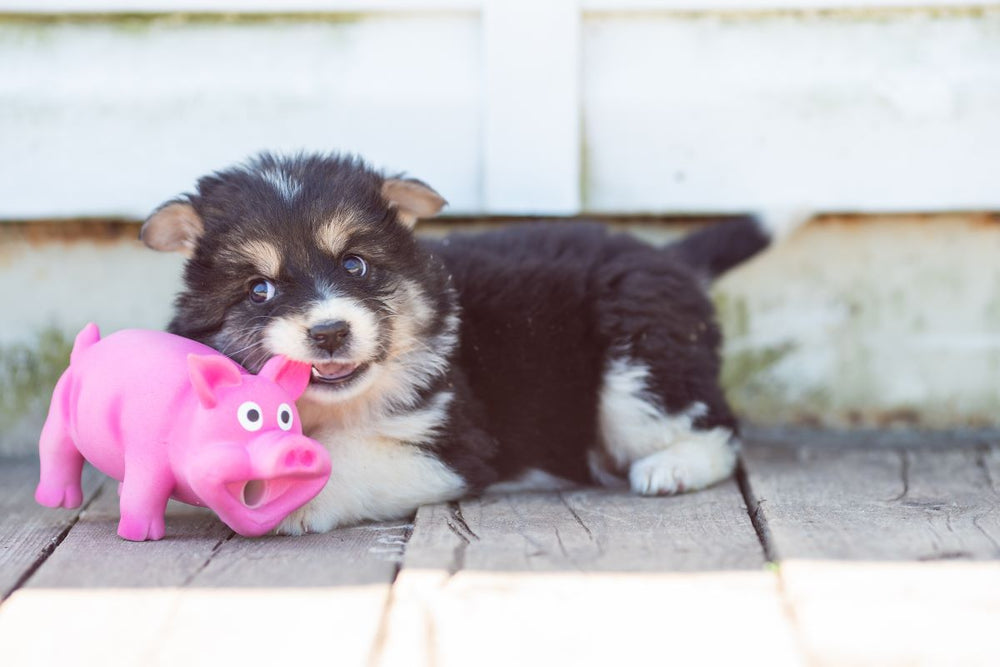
171 417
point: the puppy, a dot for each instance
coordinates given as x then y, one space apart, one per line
442 367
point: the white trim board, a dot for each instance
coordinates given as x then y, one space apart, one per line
372 6
531 112
523 108
707 6
233 6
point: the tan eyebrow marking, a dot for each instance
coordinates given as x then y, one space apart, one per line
263 255
334 235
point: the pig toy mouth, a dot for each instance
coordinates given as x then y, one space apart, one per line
254 492
272 476
252 507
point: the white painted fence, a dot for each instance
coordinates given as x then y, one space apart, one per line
510 106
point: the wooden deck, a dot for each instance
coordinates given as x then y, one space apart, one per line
815 555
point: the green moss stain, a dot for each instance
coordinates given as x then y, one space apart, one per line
140 20
746 376
732 313
744 370
45 29
28 373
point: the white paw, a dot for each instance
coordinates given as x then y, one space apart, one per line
686 466
309 519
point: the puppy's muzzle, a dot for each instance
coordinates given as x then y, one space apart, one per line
330 336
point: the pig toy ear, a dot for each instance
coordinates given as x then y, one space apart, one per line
292 376
209 373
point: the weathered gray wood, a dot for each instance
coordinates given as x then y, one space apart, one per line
28 531
887 558
876 505
201 594
93 556
276 599
591 531
585 576
869 438
895 612
991 464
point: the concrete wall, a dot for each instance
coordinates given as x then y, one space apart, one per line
854 321
869 321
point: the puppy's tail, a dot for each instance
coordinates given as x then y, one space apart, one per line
713 251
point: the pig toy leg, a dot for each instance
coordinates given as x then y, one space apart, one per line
61 462
143 502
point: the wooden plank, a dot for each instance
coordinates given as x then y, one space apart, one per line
201 594
887 557
895 613
585 577
28 531
876 504
991 465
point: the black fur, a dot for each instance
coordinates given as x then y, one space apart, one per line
715 250
546 305
544 308
238 205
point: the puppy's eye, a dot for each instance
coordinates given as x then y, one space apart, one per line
261 291
355 266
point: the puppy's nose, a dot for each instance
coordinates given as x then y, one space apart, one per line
330 336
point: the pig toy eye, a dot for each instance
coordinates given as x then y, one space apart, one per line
284 417
250 416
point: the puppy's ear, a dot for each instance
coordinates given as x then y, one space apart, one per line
413 199
174 227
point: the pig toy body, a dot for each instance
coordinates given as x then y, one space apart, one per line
169 417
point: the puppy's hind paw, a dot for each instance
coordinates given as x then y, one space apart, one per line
657 477
682 467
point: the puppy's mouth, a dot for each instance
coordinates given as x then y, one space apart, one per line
336 373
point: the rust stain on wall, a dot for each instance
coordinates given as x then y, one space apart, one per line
94 230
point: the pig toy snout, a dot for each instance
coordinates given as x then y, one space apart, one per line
280 463
277 455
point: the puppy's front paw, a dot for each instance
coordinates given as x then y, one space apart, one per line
682 467
658 475
308 519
